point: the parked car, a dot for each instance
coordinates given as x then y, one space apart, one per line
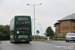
70 37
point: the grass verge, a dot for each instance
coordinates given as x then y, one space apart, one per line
5 40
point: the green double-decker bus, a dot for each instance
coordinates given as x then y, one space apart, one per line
20 29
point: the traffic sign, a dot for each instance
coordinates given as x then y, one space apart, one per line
37 31
59 33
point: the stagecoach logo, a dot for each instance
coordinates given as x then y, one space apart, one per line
17 32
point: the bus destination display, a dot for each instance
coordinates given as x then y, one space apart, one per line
22 18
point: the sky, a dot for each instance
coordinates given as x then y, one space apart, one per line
46 14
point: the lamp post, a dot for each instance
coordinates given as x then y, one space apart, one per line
41 30
34 15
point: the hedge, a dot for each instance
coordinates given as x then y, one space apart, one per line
58 39
60 36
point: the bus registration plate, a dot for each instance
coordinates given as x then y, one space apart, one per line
22 40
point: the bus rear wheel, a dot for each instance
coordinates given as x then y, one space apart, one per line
11 42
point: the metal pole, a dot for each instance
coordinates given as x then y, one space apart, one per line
41 31
34 21
34 16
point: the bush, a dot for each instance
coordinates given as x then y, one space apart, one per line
59 39
60 36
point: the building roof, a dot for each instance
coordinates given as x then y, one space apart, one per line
56 23
69 17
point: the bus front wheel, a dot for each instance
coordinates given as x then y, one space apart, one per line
11 42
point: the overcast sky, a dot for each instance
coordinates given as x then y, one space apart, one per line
46 14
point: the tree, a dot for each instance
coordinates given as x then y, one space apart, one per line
49 32
4 32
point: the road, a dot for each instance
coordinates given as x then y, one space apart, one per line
38 45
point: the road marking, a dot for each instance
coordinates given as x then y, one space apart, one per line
65 47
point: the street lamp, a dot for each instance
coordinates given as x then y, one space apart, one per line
41 30
34 15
